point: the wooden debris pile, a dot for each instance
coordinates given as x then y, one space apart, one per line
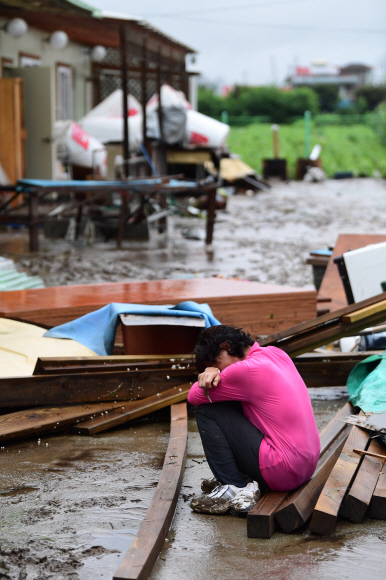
91 394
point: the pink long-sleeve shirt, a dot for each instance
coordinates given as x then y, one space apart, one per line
275 399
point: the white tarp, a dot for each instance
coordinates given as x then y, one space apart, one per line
81 148
180 124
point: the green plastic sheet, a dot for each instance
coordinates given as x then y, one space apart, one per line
366 384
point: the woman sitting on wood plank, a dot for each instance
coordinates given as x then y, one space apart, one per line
255 419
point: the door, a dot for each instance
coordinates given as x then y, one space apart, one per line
39 114
12 132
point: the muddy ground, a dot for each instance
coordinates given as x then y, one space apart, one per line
265 238
70 505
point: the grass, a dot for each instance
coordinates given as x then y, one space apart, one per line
355 148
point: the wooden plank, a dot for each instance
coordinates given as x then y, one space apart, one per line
364 312
261 519
327 370
34 391
320 321
298 507
47 364
31 422
358 498
326 511
134 410
377 508
143 552
118 366
332 286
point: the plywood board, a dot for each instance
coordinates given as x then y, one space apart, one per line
258 308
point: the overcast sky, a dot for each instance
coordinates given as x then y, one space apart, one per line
256 42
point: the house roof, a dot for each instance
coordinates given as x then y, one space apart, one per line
52 15
51 6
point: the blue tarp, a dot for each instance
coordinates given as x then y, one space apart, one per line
366 384
96 330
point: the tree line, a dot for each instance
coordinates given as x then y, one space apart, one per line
283 105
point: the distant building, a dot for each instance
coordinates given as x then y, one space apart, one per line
348 77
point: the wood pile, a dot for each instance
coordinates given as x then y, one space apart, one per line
91 394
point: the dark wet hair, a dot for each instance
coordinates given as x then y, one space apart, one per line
208 346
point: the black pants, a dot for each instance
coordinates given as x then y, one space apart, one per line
231 443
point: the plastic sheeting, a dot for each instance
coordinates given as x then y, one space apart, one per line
366 384
21 344
97 329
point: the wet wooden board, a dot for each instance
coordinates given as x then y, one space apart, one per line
134 410
52 365
326 511
359 496
34 391
261 519
298 507
327 370
378 501
332 285
143 552
35 421
325 329
258 308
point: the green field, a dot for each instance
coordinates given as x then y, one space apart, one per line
355 148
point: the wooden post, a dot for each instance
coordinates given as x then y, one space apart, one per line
159 86
144 84
126 147
33 222
210 218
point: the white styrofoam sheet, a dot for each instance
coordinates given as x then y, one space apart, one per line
366 269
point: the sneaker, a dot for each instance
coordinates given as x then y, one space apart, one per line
208 485
246 498
216 502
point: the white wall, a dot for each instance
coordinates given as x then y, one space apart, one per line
74 54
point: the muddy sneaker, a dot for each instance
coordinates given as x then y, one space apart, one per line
216 502
246 498
208 485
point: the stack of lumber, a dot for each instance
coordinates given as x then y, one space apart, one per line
348 482
258 308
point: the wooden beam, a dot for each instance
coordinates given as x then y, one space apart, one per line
298 507
143 552
326 511
378 501
33 422
364 312
261 519
86 387
359 497
49 363
133 410
327 370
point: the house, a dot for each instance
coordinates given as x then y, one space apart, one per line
347 78
59 59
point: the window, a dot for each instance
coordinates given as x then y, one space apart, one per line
26 59
64 92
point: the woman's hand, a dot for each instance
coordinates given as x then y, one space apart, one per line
209 378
